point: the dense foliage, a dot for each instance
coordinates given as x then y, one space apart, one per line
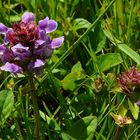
89 88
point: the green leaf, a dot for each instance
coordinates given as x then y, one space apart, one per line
68 81
127 50
134 108
77 73
110 36
6 104
123 47
15 18
65 136
81 23
109 60
79 102
76 67
84 128
101 44
51 122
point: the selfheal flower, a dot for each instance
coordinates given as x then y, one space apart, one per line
27 45
130 81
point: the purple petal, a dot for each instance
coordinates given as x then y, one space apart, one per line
2 50
36 66
7 56
27 17
19 47
42 34
21 52
47 25
40 42
138 103
6 39
3 28
43 23
57 42
12 68
52 25
43 51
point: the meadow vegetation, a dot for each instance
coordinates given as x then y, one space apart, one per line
90 86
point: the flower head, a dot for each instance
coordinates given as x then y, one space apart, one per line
130 81
121 120
27 45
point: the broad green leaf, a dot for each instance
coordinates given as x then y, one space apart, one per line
77 73
84 128
122 110
108 61
76 67
69 81
134 108
127 50
6 104
81 23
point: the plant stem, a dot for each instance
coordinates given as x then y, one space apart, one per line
18 129
117 133
35 108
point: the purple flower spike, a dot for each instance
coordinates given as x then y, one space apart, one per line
21 53
3 28
57 42
27 45
138 103
12 68
27 17
130 81
47 25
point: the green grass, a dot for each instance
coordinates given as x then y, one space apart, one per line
78 90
